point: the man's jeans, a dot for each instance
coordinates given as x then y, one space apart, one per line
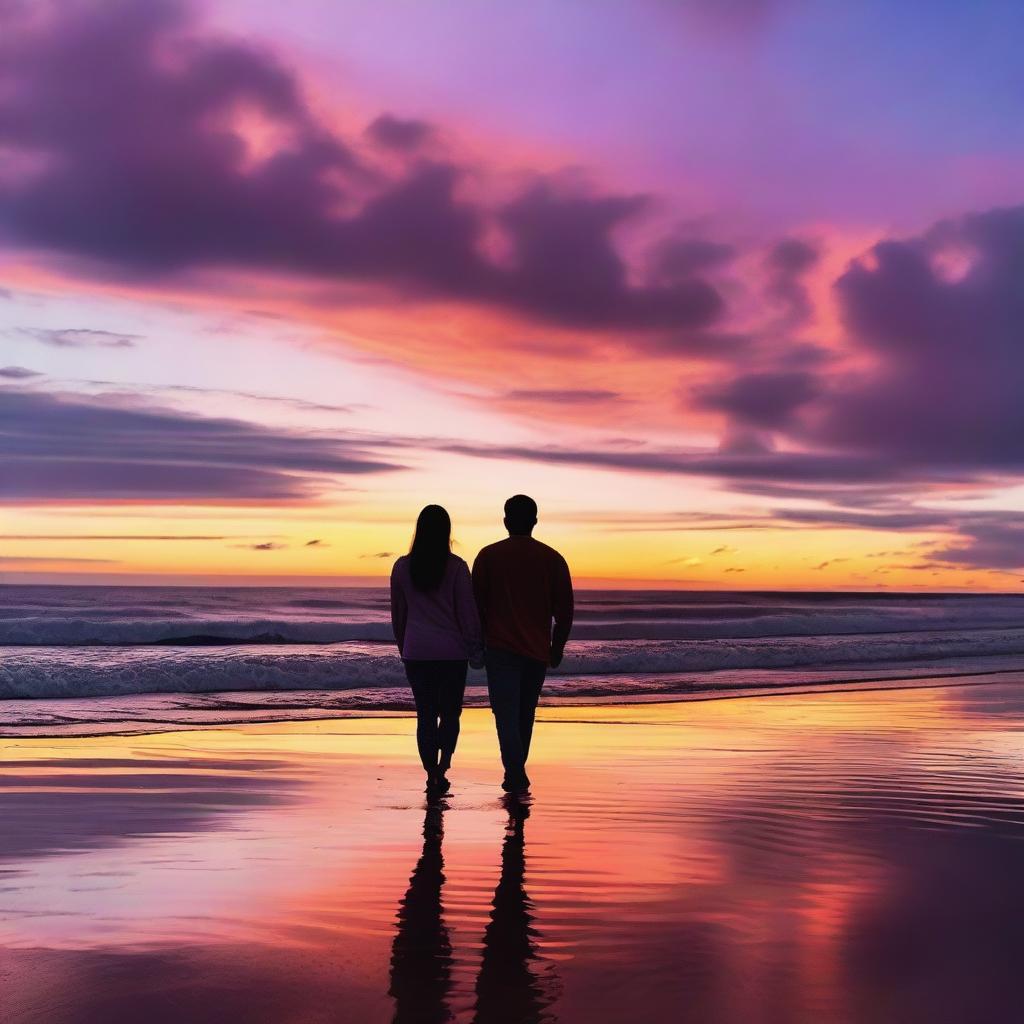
514 682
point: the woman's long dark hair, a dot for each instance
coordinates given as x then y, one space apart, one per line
431 548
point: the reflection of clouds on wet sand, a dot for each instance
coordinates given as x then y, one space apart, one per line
52 805
198 984
843 857
942 940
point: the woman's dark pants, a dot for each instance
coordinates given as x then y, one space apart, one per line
438 688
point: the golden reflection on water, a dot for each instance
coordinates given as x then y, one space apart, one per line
845 857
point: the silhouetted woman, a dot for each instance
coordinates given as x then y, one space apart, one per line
437 627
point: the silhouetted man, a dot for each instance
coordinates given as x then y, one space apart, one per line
522 587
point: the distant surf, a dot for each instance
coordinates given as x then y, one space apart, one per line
72 643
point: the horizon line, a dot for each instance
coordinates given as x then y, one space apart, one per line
242 581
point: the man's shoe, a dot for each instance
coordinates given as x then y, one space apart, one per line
516 783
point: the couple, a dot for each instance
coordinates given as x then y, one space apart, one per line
511 617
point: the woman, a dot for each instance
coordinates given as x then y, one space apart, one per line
437 628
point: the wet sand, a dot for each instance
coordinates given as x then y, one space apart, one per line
850 857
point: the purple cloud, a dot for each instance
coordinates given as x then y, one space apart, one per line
760 400
990 545
78 337
786 263
937 403
568 270
740 470
59 447
677 259
941 314
143 172
562 396
402 134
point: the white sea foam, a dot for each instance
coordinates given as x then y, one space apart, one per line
33 672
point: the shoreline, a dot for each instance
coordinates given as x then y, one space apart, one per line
725 858
267 715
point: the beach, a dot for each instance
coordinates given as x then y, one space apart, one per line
831 856
654 369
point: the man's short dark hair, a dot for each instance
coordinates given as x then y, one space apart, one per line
521 509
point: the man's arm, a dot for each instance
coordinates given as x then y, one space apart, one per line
562 606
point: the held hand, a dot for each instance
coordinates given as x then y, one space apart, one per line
556 656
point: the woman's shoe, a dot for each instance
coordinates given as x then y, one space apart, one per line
437 785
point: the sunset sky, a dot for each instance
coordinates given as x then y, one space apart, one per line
733 288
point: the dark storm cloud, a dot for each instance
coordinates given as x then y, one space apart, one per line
58 447
139 170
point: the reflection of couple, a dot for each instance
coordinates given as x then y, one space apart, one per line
521 591
513 984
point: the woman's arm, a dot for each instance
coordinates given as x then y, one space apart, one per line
399 609
468 617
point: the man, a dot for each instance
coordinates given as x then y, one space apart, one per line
522 587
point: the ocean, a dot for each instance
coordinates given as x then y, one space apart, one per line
87 659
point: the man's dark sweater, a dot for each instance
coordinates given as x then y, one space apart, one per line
522 586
